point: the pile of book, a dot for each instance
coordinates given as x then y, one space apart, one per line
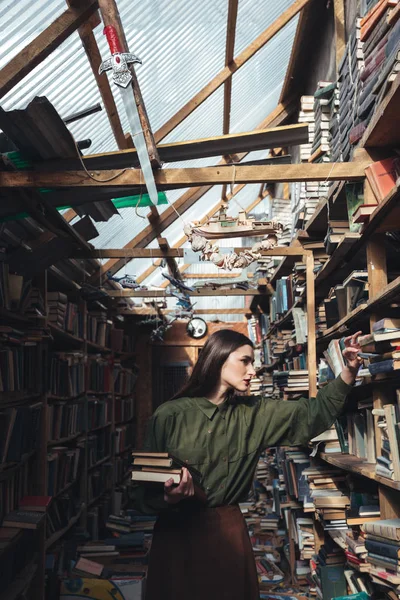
64 314
382 346
388 462
158 467
65 419
327 571
67 374
267 385
345 297
281 212
328 495
323 97
382 542
380 36
328 441
334 126
320 319
335 232
124 379
306 115
99 328
349 87
292 382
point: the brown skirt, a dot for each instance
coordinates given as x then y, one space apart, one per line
202 555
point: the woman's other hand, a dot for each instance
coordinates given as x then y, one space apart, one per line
352 359
175 493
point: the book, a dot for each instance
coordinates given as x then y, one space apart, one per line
386 324
90 567
35 503
24 519
387 528
382 176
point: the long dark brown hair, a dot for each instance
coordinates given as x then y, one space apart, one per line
207 371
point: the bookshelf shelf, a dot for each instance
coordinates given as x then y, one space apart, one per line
21 582
93 347
130 449
8 468
382 130
99 462
97 498
347 462
13 398
131 420
65 488
65 336
59 534
65 440
65 398
10 315
100 427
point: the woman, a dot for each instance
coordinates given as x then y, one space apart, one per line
204 552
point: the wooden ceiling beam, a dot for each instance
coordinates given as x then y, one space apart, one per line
228 71
110 15
277 117
200 311
191 177
44 44
197 293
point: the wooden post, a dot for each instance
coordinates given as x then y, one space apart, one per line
377 278
311 341
340 32
389 502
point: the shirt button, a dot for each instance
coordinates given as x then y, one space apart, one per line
209 431
208 488
224 459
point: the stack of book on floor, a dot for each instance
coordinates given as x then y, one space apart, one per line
267 385
327 571
382 542
151 468
349 81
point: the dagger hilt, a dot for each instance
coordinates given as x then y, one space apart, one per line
113 39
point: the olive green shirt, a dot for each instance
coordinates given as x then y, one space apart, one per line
224 442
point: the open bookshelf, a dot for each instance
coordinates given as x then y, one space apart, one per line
73 400
369 254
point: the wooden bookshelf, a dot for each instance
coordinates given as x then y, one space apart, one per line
63 342
353 464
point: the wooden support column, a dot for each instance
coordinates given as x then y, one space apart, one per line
311 340
377 278
110 15
389 503
340 31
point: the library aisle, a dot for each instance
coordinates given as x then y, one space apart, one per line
200 300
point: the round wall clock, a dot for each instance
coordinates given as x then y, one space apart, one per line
196 328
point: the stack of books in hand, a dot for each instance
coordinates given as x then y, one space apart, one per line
159 467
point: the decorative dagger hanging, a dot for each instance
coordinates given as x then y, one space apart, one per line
119 63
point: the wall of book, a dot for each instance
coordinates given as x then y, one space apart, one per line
67 420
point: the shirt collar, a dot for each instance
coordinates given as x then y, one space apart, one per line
209 408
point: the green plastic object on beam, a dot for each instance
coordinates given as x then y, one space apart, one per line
139 200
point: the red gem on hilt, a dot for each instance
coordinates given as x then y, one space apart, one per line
117 59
